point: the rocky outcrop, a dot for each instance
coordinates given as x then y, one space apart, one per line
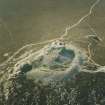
56 75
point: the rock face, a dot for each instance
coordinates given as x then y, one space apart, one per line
58 74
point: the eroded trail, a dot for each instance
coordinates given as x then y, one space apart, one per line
55 62
68 28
